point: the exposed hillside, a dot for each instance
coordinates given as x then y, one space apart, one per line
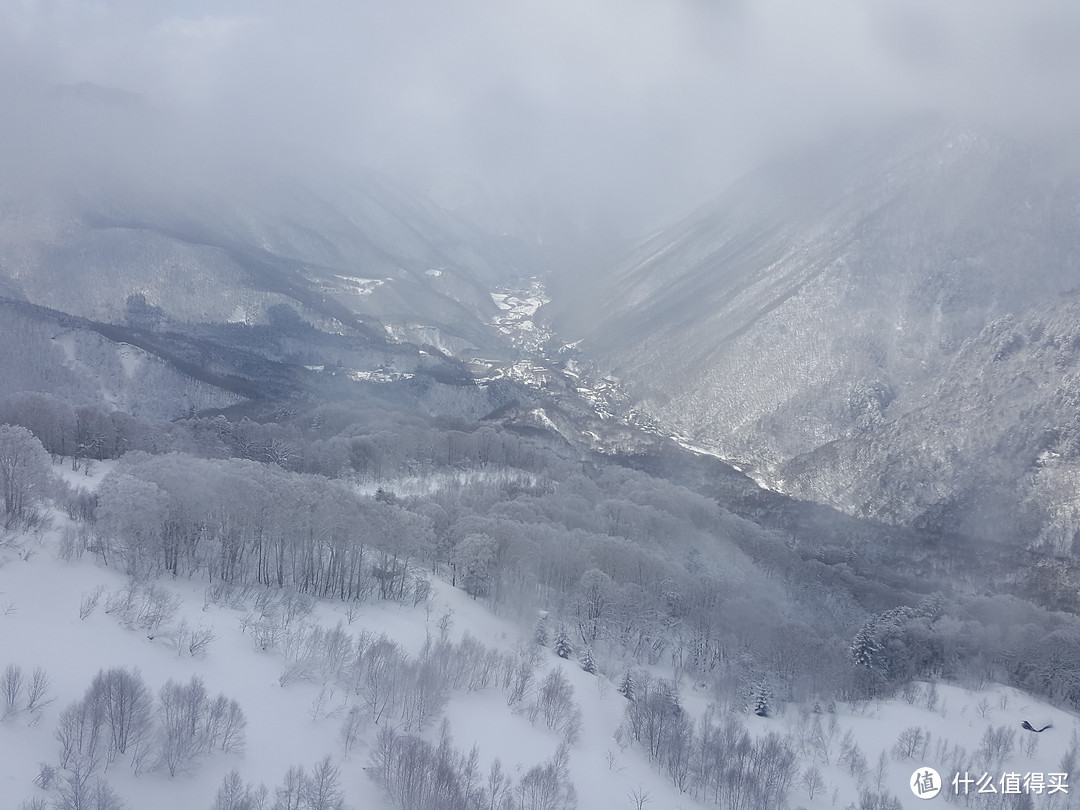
886 327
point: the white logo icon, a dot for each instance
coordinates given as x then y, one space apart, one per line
925 783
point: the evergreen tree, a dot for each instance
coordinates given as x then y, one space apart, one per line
563 647
669 692
866 651
626 688
540 634
587 661
763 699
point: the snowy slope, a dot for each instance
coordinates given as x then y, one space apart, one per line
827 320
294 720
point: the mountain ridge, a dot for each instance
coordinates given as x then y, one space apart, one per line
794 314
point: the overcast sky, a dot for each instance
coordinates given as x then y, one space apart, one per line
637 108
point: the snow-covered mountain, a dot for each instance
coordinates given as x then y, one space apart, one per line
138 210
888 326
295 398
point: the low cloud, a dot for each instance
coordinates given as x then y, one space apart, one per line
621 112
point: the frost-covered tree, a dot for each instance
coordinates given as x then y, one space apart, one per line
594 602
762 698
24 474
866 650
587 661
130 518
540 632
563 647
49 418
474 560
626 686
654 716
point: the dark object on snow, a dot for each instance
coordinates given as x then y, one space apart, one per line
1030 727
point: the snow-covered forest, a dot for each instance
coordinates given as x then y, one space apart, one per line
740 663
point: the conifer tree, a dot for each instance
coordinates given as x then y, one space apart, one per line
669 692
866 651
626 688
563 647
540 634
763 699
588 663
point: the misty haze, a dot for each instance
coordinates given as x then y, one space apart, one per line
517 406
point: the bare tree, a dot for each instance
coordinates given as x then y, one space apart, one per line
499 786
80 793
234 794
997 743
547 786
290 794
852 757
881 771
773 769
812 781
157 610
519 673
81 733
126 706
423 693
351 727
320 790
910 743
183 711
555 700
383 663
639 798
90 601
11 686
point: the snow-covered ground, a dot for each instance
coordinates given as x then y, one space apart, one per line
419 485
360 286
378 376
40 626
516 320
